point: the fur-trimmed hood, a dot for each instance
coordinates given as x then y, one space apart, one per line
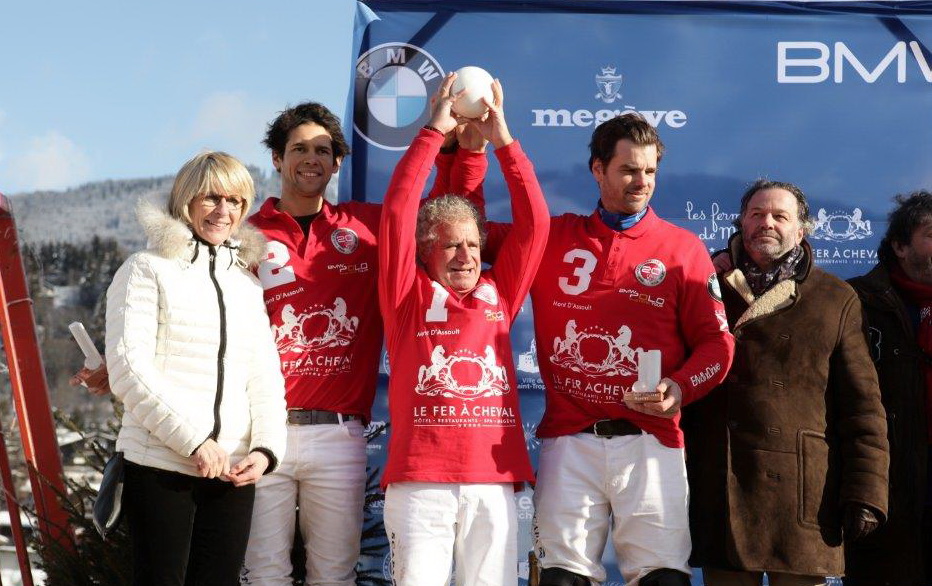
172 238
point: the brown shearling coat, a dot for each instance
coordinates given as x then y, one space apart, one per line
794 433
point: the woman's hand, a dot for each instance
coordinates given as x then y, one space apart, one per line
250 469
97 381
211 460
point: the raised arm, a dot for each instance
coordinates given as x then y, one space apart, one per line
470 165
398 249
462 165
444 164
522 249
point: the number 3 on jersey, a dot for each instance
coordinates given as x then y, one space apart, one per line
582 273
275 270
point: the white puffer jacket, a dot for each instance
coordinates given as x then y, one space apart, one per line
192 358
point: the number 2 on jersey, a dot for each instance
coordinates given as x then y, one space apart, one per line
275 270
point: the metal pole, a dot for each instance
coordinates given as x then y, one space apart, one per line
12 506
30 391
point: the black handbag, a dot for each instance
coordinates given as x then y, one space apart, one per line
107 507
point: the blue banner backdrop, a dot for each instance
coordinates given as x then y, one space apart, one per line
833 96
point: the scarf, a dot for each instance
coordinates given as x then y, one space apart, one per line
617 221
759 280
919 296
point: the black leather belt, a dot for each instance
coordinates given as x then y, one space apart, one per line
612 427
316 417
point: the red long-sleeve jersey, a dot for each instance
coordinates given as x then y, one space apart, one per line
603 295
321 296
453 401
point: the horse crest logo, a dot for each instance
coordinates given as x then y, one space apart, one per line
841 226
317 328
595 351
462 375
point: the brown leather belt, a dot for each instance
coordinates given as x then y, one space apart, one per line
316 417
612 427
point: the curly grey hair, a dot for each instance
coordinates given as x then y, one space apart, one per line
446 209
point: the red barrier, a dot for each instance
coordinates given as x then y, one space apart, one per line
12 507
30 391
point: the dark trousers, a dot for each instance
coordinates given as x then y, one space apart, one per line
927 521
186 531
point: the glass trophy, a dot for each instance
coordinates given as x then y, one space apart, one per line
645 388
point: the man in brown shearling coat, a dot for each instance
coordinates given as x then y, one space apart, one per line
792 447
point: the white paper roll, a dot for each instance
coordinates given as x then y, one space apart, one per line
92 358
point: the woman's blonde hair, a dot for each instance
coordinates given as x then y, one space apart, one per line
210 172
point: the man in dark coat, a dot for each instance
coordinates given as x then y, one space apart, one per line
793 445
897 300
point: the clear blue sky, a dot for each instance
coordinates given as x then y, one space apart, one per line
111 89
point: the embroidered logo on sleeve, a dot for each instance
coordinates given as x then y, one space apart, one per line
715 290
722 318
705 374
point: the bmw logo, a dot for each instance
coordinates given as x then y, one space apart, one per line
394 83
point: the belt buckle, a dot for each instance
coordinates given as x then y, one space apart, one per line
595 429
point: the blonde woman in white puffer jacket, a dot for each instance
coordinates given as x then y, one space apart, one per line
192 358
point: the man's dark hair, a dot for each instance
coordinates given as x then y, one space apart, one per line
276 137
912 212
631 126
805 220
